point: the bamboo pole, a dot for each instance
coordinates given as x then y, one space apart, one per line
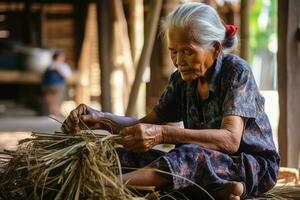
151 22
83 91
245 18
103 8
136 31
136 28
123 72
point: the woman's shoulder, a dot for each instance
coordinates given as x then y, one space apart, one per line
234 66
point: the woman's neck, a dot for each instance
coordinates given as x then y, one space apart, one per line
202 87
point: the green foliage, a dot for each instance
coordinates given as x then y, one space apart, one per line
262 12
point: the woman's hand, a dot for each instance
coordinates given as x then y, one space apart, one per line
141 137
83 113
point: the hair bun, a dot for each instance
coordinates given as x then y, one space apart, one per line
230 36
231 30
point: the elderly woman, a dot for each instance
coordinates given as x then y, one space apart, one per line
226 145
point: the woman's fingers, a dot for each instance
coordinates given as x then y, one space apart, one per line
134 139
141 137
69 127
128 137
128 141
139 147
72 123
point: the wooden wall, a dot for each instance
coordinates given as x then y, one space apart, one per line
59 29
289 81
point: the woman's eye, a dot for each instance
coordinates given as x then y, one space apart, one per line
173 52
188 52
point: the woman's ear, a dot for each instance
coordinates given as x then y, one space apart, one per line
218 48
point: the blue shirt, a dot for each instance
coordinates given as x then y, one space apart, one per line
232 91
52 78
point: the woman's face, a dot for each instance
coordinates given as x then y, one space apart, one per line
191 60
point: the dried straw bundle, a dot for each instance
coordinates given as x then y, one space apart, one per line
59 166
283 192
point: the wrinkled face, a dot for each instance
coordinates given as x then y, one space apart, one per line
191 60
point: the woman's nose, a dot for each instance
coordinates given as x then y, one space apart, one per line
179 59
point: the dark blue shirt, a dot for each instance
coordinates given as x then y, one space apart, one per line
52 77
232 91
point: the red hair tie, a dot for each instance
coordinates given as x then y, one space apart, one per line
231 30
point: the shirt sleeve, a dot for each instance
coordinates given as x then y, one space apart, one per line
168 108
65 70
241 96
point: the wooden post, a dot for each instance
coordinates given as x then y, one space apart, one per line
104 33
80 10
87 56
282 79
161 63
43 25
123 72
136 32
288 81
245 18
27 25
152 23
136 28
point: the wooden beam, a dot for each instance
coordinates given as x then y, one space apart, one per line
27 25
28 77
152 23
289 82
104 35
136 30
123 74
282 79
80 17
293 83
43 22
245 18
88 56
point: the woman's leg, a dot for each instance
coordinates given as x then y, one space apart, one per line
130 160
145 176
224 176
221 174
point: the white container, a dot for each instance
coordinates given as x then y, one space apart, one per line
35 59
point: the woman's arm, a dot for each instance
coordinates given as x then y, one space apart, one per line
95 119
226 139
121 122
142 137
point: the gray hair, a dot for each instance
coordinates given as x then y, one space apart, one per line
204 23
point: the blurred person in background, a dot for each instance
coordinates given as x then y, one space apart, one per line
54 84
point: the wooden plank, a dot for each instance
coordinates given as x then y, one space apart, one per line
282 79
293 83
59 8
161 63
16 76
28 77
61 41
104 35
152 23
65 22
245 33
136 31
87 58
121 49
289 82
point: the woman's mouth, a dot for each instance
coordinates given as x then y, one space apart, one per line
186 71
